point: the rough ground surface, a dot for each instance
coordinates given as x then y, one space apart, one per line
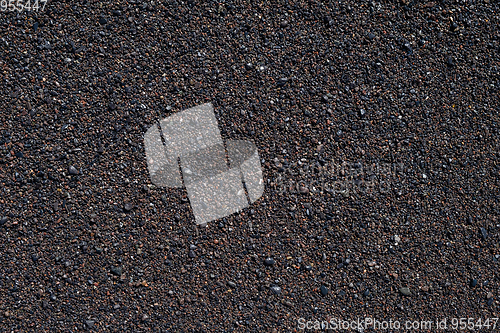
89 244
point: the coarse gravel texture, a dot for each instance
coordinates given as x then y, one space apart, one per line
88 243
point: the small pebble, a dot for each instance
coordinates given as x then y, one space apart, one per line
116 270
73 170
282 81
484 233
269 262
449 61
405 291
128 206
276 290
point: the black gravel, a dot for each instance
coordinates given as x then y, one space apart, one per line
326 91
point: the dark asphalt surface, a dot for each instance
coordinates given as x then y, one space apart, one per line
378 128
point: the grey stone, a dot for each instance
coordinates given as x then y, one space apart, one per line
116 270
72 170
275 290
405 291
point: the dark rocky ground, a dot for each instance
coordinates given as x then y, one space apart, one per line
314 85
